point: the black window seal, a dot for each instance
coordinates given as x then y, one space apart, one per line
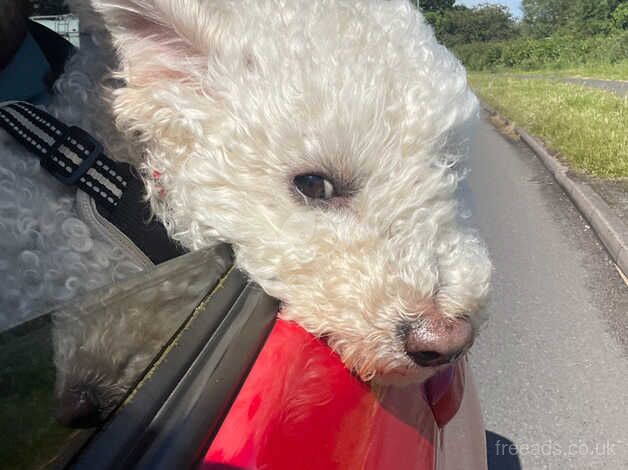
170 419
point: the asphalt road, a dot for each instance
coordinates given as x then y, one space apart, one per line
552 362
618 87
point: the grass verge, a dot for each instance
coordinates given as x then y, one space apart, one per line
587 127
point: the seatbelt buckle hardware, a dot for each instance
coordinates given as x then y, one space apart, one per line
79 147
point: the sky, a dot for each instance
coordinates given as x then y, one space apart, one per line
514 5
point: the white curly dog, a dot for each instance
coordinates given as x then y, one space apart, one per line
319 137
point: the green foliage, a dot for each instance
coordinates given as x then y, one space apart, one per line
587 17
434 5
555 52
541 18
620 16
461 25
581 18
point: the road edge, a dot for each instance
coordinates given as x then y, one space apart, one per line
609 228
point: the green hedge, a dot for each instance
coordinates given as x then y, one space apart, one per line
554 52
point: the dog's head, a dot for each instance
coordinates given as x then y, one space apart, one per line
319 138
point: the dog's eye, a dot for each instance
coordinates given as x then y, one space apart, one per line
315 187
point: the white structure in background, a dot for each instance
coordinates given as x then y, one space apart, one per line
65 25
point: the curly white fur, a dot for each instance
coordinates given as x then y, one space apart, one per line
231 99
47 254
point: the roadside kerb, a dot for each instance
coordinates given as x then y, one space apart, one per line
609 228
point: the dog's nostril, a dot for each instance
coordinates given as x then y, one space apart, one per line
78 410
435 340
433 358
425 356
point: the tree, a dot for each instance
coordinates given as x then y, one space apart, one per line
461 25
589 17
620 16
435 5
543 18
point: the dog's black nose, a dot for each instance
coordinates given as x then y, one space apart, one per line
435 340
78 410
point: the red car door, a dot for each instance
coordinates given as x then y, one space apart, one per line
299 408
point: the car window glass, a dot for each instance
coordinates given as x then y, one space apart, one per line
67 370
67 362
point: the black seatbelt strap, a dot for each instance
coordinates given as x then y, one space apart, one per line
69 153
75 158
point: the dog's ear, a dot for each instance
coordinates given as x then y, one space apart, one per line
157 39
